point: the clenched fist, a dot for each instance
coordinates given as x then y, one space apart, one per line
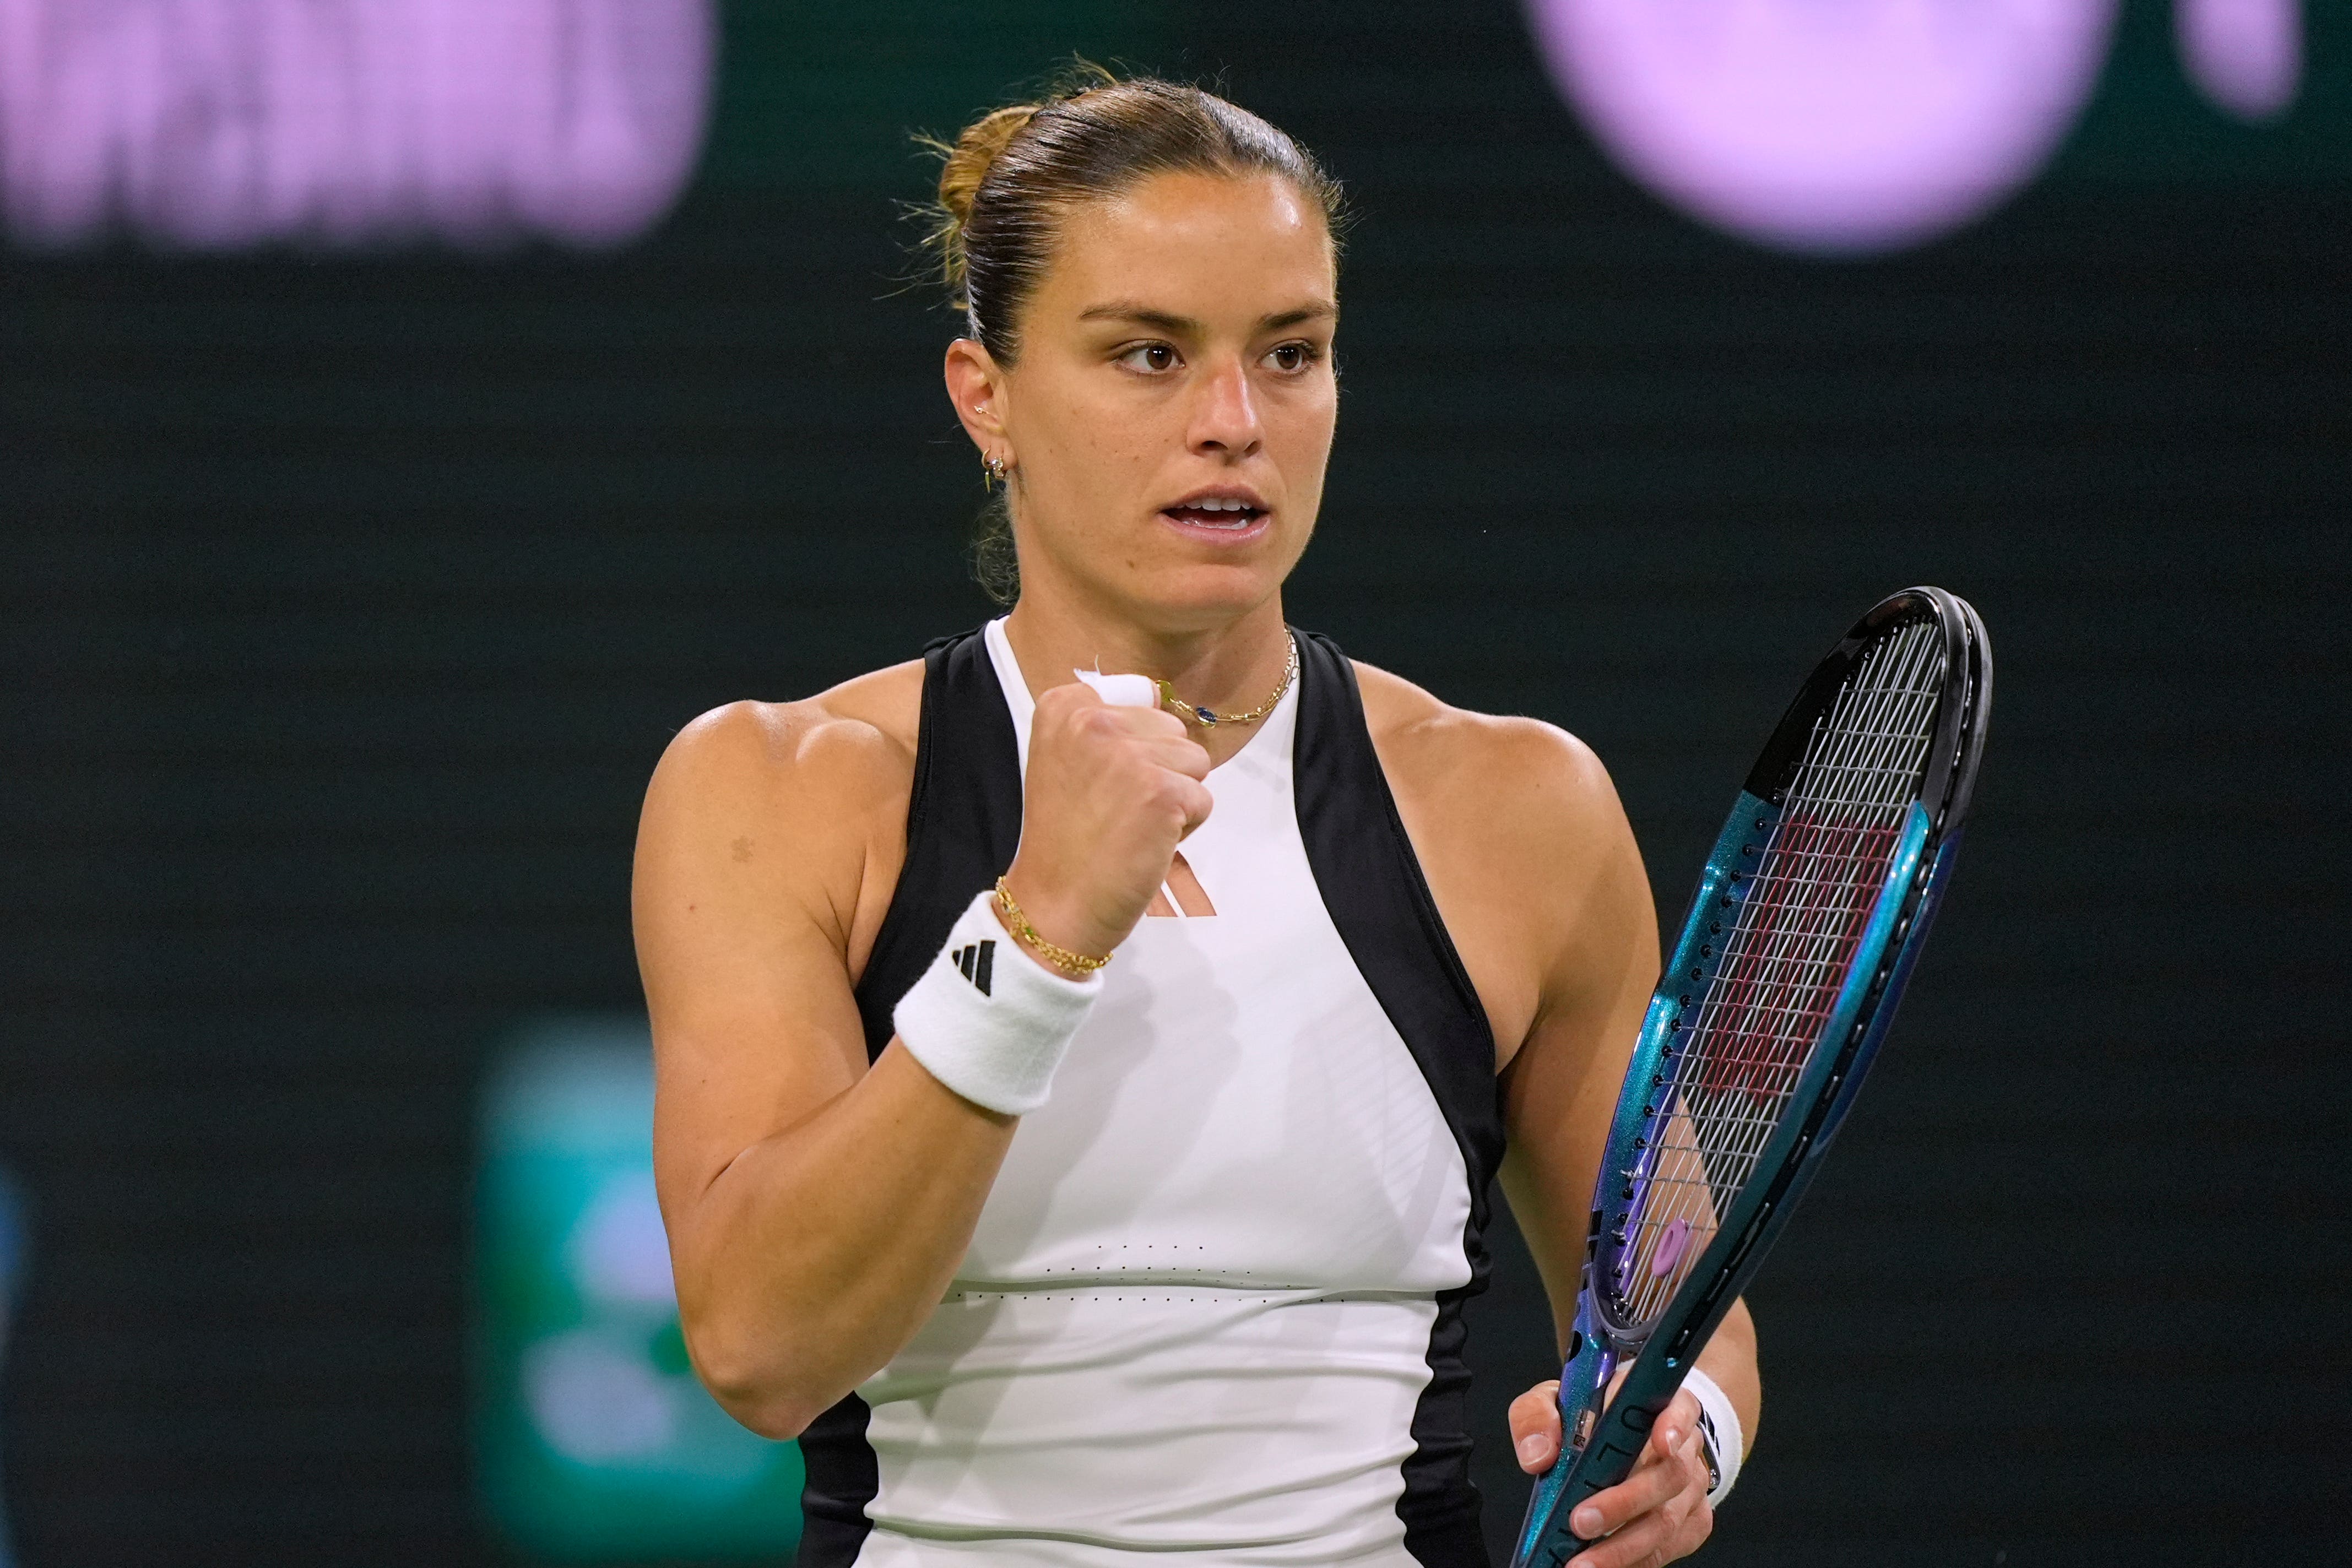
1111 792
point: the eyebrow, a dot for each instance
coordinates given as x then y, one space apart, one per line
1185 326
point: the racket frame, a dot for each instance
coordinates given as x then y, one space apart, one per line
1601 1438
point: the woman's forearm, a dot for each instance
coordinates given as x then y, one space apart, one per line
818 1252
1729 1358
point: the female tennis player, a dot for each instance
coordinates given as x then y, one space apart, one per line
1078 1108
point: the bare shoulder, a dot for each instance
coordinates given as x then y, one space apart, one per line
844 742
759 806
1526 851
1519 778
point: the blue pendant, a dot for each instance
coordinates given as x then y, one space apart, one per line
1207 716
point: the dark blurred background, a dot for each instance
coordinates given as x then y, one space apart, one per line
348 595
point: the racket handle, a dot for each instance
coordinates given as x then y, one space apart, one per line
1612 1443
1547 1541
1583 1385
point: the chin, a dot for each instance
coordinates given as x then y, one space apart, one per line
1197 596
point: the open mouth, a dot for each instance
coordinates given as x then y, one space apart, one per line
1216 514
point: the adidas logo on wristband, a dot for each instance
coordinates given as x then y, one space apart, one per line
991 1032
975 962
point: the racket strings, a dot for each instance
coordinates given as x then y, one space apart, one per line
1790 939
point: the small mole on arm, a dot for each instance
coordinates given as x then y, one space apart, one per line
742 850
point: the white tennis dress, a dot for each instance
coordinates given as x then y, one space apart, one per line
1197 1315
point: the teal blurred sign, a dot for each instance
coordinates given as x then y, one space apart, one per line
592 1439
16 1247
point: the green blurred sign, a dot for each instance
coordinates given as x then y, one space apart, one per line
592 1439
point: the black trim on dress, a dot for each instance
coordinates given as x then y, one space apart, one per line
1373 888
963 822
842 1477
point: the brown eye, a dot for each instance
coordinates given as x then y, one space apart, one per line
1149 358
1290 357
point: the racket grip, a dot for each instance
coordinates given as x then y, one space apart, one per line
1612 1442
1545 1540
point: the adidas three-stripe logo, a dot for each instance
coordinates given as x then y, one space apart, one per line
975 962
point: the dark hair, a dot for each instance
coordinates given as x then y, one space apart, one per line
1006 182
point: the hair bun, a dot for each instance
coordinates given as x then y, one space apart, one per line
1098 136
968 161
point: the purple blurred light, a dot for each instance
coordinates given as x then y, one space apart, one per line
2247 55
217 124
1830 126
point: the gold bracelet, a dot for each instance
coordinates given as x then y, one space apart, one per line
1060 958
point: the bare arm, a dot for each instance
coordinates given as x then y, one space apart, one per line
1561 1088
816 1210
1583 944
1558 1094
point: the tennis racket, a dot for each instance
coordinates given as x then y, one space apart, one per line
1808 919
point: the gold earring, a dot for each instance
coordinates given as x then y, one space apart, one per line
992 472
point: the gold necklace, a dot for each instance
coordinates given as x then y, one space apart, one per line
1209 718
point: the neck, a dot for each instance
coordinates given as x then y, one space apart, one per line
1230 668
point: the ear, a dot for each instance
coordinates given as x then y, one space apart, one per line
976 387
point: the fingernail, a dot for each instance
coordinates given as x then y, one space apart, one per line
1673 1437
1534 1449
1587 1522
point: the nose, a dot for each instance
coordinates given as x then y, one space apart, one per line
1225 413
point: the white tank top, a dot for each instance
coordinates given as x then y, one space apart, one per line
1196 1313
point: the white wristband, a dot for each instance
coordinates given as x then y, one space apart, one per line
987 1020
1719 1427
